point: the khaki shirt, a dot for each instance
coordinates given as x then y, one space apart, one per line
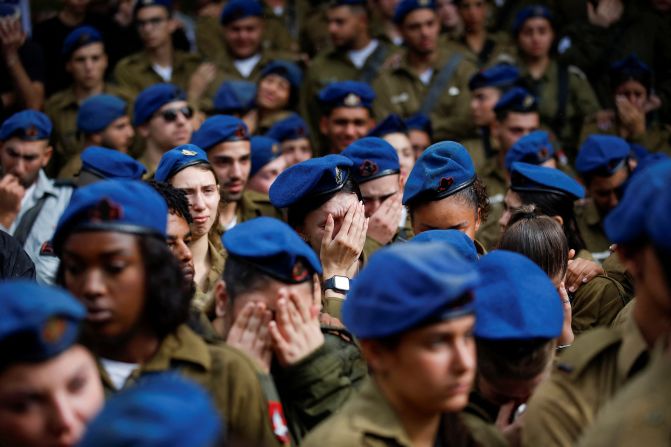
230 378
656 138
135 72
590 224
597 303
640 415
498 48
497 185
399 90
366 419
217 253
584 379
62 108
481 149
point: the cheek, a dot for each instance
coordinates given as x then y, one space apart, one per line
25 429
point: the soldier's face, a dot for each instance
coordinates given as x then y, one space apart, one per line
345 125
634 92
273 93
448 13
49 403
431 369
231 161
503 391
603 190
483 101
406 155
154 26
515 126
376 192
344 26
24 159
119 134
295 151
450 213
243 37
387 7
202 191
265 176
420 31
315 221
169 127
87 65
473 13
511 204
105 271
535 37
419 140
179 239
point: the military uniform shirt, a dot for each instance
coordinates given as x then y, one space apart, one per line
590 224
135 72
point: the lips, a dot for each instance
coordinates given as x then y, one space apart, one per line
98 315
234 187
201 219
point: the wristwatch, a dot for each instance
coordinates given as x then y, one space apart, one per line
338 283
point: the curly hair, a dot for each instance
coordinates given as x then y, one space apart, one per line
474 195
175 198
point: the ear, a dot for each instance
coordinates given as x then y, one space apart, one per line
220 298
48 152
559 220
143 130
375 355
96 139
105 60
324 125
371 123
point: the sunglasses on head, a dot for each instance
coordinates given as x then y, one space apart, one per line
170 115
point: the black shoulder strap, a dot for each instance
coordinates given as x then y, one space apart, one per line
373 63
28 220
562 98
436 89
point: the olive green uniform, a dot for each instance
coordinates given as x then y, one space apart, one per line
135 72
217 255
399 90
62 108
333 65
584 379
640 414
230 378
590 224
252 205
656 138
403 234
495 180
597 303
498 48
580 102
615 269
314 36
481 148
367 419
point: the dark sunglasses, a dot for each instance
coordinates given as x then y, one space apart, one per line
170 115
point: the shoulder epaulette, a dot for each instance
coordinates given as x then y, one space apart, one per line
589 346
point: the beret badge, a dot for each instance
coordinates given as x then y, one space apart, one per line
53 329
528 101
30 131
188 153
339 176
241 132
444 184
352 100
368 168
299 273
105 211
543 152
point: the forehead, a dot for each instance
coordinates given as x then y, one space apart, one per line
246 22
419 16
26 147
173 105
350 113
232 149
454 326
268 294
177 225
611 182
446 212
398 140
383 185
92 49
121 121
149 12
92 243
338 203
489 92
193 177
339 12
630 85
536 22
522 119
290 144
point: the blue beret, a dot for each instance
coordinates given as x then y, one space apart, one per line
602 155
530 12
99 111
518 100
630 68
7 10
226 100
273 247
517 301
167 4
336 3
456 239
527 177
108 163
292 128
626 223
372 158
346 94
287 70
264 150
178 158
407 285
28 125
80 37
419 121
219 129
391 124
126 206
161 409
316 177
151 99
500 75
534 148
38 321
443 169
405 7
240 9
658 220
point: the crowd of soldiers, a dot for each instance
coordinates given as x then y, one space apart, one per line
335 223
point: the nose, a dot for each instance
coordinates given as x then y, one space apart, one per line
63 421
93 284
236 171
183 253
198 202
464 358
613 200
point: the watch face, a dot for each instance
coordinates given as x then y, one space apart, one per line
341 282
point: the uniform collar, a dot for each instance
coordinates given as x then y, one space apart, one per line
44 186
182 345
632 348
374 415
592 216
